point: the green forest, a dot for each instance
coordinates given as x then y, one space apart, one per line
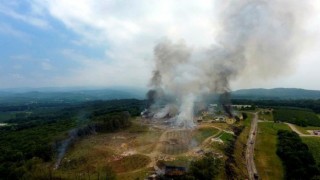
34 133
39 130
312 104
296 157
298 116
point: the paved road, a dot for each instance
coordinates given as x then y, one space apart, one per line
250 148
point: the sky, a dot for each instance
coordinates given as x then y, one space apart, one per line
109 43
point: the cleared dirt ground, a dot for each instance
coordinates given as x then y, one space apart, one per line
132 153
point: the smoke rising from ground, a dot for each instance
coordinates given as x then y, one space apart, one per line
73 135
259 38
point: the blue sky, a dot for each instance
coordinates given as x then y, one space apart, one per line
45 43
37 48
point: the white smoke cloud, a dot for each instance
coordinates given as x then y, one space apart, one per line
260 38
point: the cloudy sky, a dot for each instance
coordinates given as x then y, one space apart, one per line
107 43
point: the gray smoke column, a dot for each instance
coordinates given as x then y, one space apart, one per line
259 38
64 147
256 39
156 91
168 56
73 135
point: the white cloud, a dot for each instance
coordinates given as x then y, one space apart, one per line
12 32
120 22
130 30
27 18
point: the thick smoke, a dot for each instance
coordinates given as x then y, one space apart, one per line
257 36
257 39
168 56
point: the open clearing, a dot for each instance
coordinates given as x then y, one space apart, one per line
134 152
120 150
266 116
204 133
268 163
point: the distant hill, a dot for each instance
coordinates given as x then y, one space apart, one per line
276 93
65 96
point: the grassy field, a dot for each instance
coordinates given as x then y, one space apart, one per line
139 174
314 146
129 163
226 136
181 160
137 127
266 117
223 126
204 132
268 164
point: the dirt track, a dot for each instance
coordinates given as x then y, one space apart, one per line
293 128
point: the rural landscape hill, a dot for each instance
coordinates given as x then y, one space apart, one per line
68 95
276 93
82 133
83 94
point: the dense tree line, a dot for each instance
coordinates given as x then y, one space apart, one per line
133 106
26 122
244 115
31 106
309 104
301 117
112 122
230 163
296 157
206 168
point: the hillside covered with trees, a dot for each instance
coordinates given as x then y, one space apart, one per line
41 131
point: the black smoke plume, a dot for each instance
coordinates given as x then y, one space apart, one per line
226 103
